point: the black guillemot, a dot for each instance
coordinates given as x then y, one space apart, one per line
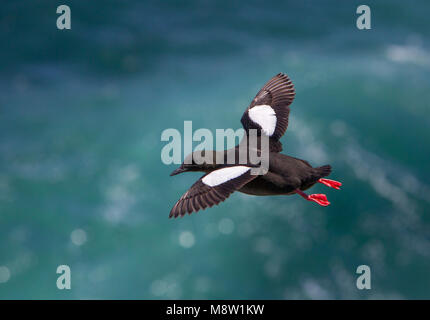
268 114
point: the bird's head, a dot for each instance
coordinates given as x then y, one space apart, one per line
196 161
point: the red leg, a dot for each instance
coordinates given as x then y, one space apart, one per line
319 198
330 183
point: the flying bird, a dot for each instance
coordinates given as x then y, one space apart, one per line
268 114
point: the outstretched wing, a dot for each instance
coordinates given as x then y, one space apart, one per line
211 189
269 111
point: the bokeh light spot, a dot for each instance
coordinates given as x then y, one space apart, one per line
4 274
226 226
186 239
78 237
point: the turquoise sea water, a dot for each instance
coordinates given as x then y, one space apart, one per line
82 182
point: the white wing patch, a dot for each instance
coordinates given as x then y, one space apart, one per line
265 117
223 175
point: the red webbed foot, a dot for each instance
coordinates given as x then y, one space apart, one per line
330 183
319 198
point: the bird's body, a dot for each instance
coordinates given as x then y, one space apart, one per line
285 175
268 114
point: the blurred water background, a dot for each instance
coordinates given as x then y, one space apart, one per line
82 182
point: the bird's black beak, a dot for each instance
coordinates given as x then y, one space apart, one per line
177 171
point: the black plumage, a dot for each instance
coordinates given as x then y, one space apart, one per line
268 115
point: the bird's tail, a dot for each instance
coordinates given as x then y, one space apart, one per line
323 171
